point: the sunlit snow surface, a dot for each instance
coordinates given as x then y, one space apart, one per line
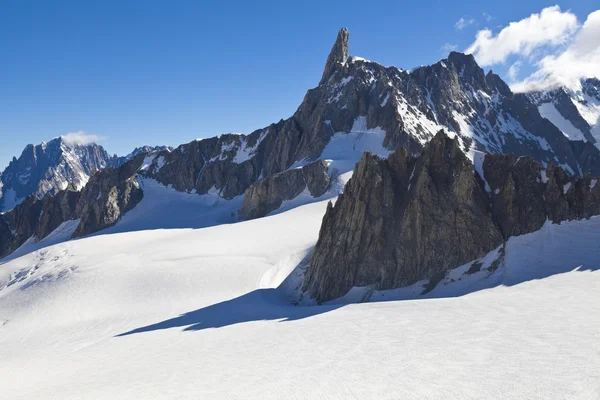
191 313
549 111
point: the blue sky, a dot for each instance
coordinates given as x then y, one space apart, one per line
167 72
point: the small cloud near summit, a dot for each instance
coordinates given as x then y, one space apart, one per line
81 138
463 22
448 47
554 44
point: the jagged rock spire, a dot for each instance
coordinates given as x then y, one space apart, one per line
338 54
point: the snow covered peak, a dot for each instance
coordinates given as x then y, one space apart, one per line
48 168
575 109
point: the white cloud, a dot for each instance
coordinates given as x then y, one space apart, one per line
551 27
448 47
487 16
513 70
553 43
463 22
581 59
80 137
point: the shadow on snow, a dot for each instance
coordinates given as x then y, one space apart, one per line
531 257
258 305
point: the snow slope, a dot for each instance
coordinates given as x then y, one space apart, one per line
589 108
166 208
549 111
191 313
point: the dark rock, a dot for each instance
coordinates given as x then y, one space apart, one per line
564 100
316 178
56 210
19 224
408 219
267 194
108 195
402 220
517 193
338 54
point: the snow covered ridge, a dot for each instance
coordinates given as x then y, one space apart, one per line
408 107
50 167
456 95
575 111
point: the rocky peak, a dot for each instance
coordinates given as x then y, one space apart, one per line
338 54
412 218
358 96
48 168
497 84
574 110
591 87
466 66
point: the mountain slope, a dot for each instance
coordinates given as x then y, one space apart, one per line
575 111
49 168
357 96
358 105
201 319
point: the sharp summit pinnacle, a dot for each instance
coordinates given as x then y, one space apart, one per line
338 54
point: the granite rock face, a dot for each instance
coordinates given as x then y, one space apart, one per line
354 97
338 54
107 196
19 224
56 210
407 219
268 194
524 194
409 106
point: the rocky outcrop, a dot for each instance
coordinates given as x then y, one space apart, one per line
107 196
56 210
524 194
316 177
407 219
146 149
338 54
268 194
19 224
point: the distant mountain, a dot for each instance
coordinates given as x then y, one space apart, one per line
49 168
574 110
140 150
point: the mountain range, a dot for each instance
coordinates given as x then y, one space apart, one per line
358 105
408 234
